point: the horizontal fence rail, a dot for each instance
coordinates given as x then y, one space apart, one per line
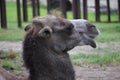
36 10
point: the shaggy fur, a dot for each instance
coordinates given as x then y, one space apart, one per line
45 48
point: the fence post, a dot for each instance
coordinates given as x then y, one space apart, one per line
119 10
38 7
18 13
108 10
63 7
0 13
97 10
25 13
85 15
34 11
3 14
48 6
76 9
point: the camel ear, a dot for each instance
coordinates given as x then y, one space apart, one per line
27 27
45 32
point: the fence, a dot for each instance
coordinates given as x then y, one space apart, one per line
76 10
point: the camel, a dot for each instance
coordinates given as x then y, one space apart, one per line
45 47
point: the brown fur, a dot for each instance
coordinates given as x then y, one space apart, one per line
45 48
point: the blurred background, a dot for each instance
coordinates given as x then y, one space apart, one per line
104 14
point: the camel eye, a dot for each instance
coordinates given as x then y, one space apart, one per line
62 23
70 27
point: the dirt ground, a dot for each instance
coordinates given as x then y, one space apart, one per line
83 72
96 72
101 47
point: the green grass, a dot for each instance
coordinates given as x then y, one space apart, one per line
91 16
106 58
109 32
9 65
11 35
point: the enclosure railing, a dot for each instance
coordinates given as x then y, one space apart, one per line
76 10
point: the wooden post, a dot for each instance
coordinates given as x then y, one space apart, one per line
119 10
18 13
97 10
108 10
48 6
38 7
3 14
34 11
63 7
76 9
85 15
0 14
25 12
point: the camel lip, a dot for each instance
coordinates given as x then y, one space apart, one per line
90 42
